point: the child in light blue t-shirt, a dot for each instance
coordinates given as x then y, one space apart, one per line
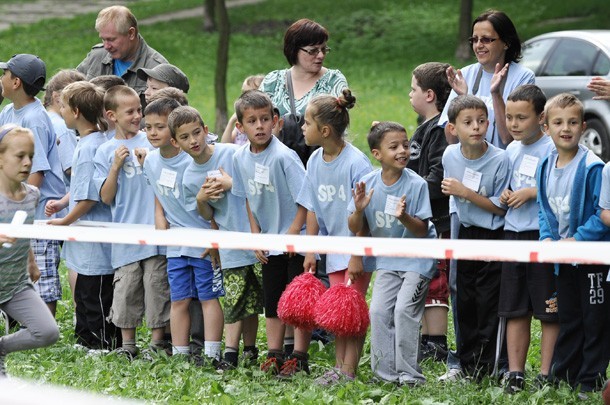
332 172
82 107
269 176
140 280
476 174
190 271
207 188
397 205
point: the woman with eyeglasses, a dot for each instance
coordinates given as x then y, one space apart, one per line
305 49
497 47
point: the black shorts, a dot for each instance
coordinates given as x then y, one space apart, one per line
277 273
528 288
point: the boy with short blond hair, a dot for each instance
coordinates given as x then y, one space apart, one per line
569 183
207 189
269 176
140 281
526 288
24 77
476 174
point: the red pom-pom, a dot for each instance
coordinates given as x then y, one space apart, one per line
297 303
343 311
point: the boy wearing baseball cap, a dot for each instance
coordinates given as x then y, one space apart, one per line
161 76
24 76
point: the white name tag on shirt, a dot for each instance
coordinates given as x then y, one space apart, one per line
214 173
528 166
261 174
472 179
168 178
391 203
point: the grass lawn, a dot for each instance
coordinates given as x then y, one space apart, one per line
376 45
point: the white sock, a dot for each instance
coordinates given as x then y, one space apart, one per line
180 350
212 349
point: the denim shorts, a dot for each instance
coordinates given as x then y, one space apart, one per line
191 277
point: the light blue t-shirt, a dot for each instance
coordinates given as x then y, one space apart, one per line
604 193
166 178
386 225
270 181
90 259
229 211
46 158
493 171
517 75
134 202
525 159
559 189
327 191
66 143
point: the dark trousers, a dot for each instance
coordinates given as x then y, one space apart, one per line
581 351
93 298
478 288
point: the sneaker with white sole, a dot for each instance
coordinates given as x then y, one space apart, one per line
453 374
2 365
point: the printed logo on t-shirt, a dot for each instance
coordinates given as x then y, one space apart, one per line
256 188
328 193
415 149
523 181
596 291
131 169
560 205
383 220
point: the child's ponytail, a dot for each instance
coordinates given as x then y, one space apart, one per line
333 111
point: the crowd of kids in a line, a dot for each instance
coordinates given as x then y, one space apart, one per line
543 186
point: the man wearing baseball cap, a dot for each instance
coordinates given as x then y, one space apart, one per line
24 77
161 76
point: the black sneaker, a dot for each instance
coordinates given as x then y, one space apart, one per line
515 383
295 363
434 351
2 365
128 353
249 357
224 365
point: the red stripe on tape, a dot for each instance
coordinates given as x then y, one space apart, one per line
214 245
368 251
534 257
142 242
290 248
72 239
449 254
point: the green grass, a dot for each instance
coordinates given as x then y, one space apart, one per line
376 45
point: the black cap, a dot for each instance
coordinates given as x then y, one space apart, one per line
29 68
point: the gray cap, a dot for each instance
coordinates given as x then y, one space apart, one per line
166 73
29 68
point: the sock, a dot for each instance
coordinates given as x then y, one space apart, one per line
129 344
424 339
288 345
300 355
212 349
231 355
180 350
516 374
440 340
159 343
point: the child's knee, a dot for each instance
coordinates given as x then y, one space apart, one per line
47 335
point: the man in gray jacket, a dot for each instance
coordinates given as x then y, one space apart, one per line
122 51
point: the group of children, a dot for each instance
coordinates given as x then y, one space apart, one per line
172 174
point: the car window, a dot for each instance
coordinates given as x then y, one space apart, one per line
602 65
534 53
571 57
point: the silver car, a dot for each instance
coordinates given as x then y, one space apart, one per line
565 61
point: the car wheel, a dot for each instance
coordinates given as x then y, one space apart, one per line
595 138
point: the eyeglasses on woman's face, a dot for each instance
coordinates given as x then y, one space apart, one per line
483 40
316 51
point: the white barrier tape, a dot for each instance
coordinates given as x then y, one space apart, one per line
489 250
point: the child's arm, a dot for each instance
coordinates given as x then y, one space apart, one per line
451 186
261 255
160 220
228 134
213 188
500 74
593 229
81 208
605 216
35 179
312 228
356 221
213 253
33 270
298 222
54 206
355 267
109 188
415 225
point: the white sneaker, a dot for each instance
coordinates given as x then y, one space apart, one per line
453 374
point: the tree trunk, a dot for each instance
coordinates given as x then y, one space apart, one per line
209 22
222 61
463 50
